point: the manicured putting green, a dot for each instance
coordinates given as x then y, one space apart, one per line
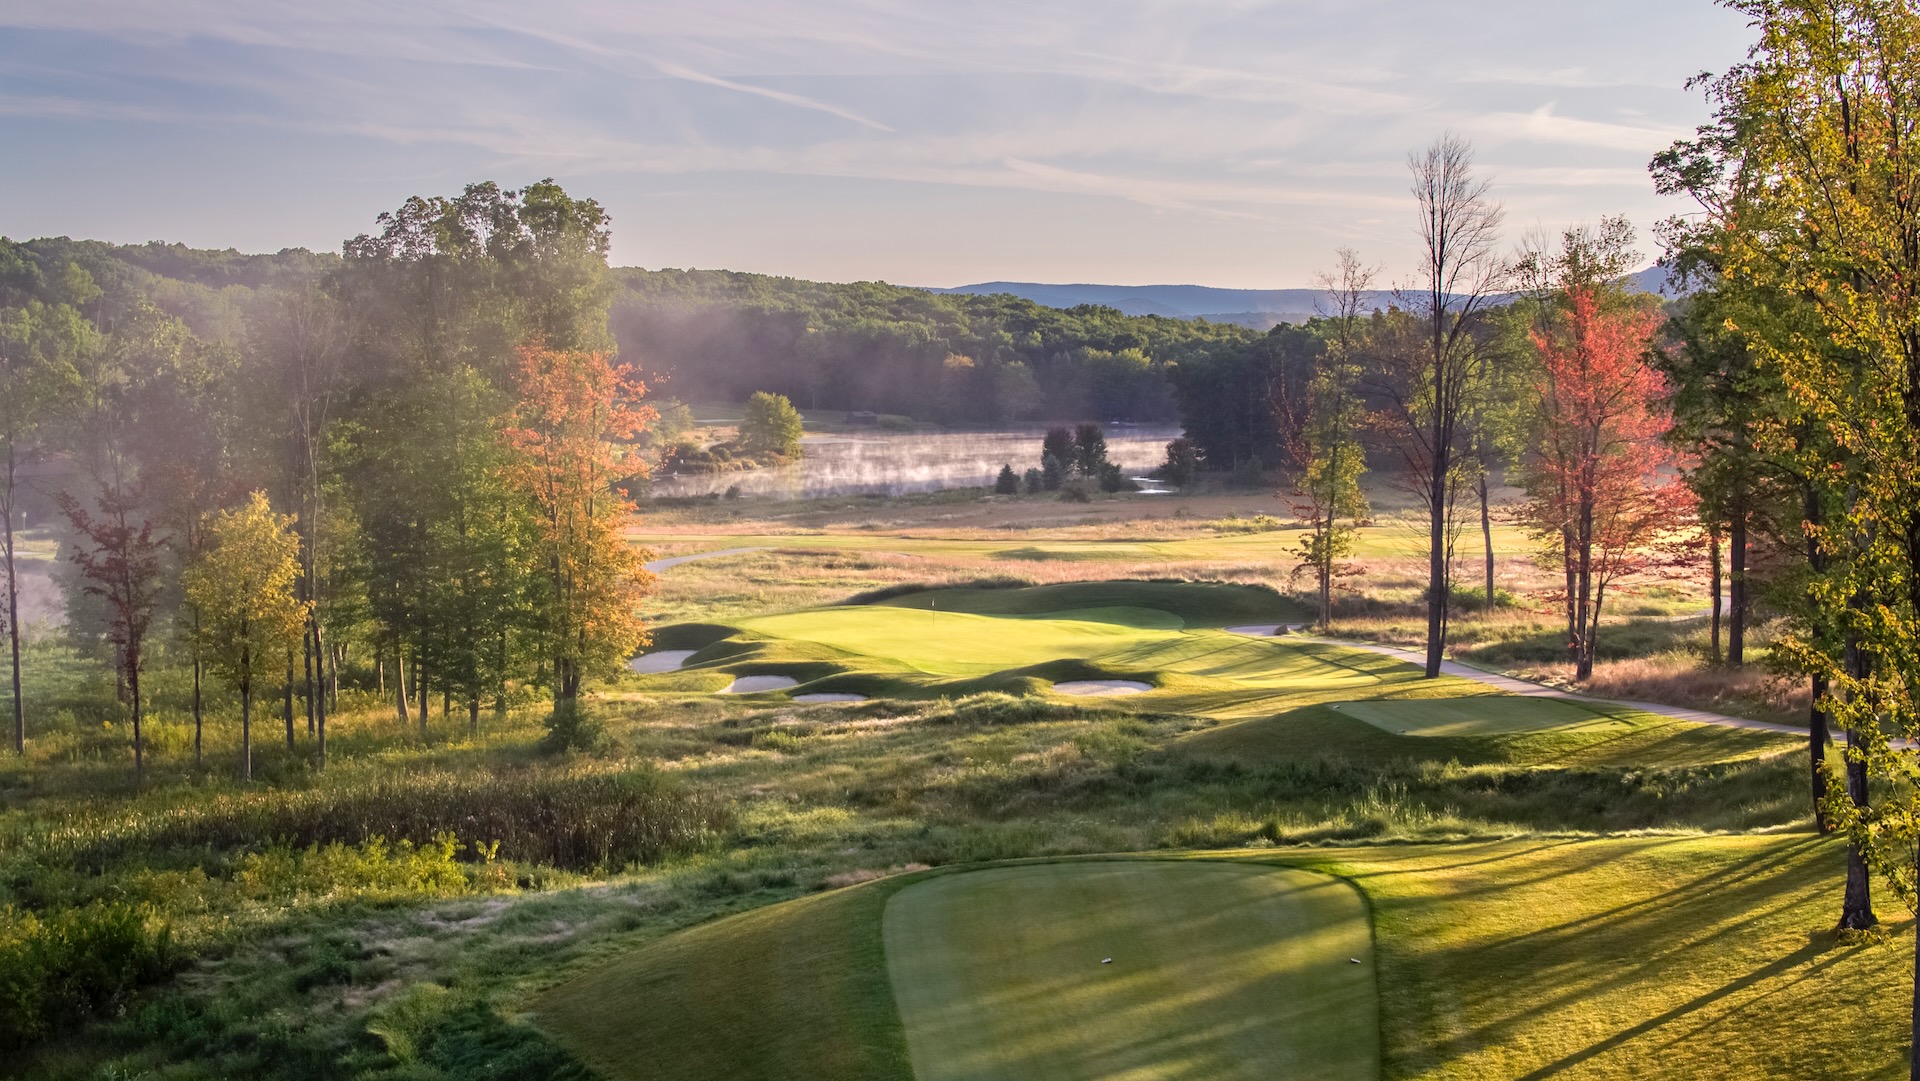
1491 715
953 643
1217 971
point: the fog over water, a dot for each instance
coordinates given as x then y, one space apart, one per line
898 463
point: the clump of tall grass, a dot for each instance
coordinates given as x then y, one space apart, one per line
575 817
60 968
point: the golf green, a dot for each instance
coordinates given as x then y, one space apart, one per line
1137 969
958 643
1491 715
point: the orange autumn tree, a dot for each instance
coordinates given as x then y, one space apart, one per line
574 410
1601 498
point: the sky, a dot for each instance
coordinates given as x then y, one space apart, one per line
1214 142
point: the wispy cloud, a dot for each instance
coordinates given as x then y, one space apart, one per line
1289 122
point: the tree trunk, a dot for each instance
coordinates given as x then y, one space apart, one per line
287 708
246 731
420 686
317 702
473 715
13 613
1437 576
400 684
1486 535
1856 908
306 660
139 744
1737 587
196 713
1818 736
1713 577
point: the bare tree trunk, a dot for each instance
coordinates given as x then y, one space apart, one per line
1856 908
197 719
246 721
420 686
1737 589
306 660
13 612
473 715
1716 585
287 701
400 684
139 744
1819 734
1486 535
317 703
1439 580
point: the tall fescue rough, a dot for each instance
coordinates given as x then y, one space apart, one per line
576 817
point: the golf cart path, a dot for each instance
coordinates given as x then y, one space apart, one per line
659 565
1529 689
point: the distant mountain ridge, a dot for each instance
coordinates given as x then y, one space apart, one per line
1257 308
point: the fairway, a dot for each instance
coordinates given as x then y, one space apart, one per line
1217 971
1491 715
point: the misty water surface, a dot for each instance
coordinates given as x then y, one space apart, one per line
897 463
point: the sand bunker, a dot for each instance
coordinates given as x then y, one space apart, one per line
666 660
827 696
756 684
1102 687
1259 630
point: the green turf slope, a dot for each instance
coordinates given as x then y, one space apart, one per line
1217 971
1193 604
790 991
1492 715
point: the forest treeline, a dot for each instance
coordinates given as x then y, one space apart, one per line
397 468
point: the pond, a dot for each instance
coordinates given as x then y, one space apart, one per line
900 463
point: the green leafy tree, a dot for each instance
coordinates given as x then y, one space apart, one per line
1327 446
41 348
770 426
1809 171
1089 450
1182 466
244 588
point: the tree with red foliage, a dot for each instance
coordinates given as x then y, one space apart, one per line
574 408
119 561
1601 499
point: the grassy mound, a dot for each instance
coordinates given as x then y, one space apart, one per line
1215 971
791 991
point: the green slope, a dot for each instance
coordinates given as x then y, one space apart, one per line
1215 971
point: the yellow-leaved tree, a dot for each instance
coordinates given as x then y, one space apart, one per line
243 589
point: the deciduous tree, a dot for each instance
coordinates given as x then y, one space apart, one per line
244 587
572 408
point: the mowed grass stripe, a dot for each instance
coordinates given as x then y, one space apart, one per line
1494 715
1219 971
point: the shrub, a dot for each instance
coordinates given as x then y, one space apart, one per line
60 968
1036 482
573 727
1007 483
1114 479
1075 492
1259 523
1249 475
1182 464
